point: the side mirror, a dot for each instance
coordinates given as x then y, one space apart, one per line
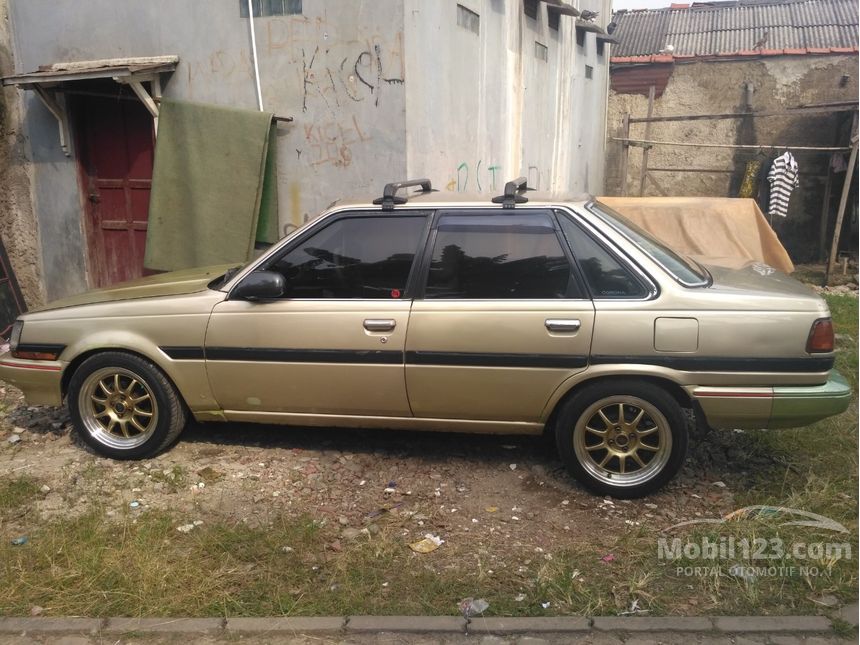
260 285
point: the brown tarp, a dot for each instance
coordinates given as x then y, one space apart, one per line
716 230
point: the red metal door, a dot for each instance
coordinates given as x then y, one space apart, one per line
115 148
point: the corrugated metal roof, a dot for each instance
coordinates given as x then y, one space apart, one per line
738 27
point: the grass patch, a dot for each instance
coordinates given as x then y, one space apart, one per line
173 479
144 566
17 492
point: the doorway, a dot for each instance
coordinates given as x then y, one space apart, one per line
115 147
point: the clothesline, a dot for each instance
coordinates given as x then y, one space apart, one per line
647 142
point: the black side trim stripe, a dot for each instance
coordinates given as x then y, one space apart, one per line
46 348
274 355
719 364
483 359
184 353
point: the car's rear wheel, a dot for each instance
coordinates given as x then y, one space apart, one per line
622 438
124 407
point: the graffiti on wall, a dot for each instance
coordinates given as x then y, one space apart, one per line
330 142
475 177
335 72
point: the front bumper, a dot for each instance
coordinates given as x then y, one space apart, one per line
773 407
39 380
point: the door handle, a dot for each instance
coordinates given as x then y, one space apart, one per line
379 324
562 324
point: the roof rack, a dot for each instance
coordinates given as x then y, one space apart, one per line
389 193
512 195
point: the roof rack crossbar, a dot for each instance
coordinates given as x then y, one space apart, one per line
389 193
513 196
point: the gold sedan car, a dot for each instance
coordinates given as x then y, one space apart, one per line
511 316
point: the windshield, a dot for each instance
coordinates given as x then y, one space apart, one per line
682 269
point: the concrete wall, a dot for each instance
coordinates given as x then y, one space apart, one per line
718 87
380 90
17 223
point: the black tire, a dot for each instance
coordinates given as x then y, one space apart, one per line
137 394
658 437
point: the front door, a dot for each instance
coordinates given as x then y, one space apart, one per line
115 147
333 345
503 320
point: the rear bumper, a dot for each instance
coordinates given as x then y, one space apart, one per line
800 406
39 380
773 407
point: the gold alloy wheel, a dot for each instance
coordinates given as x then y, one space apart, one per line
622 440
118 408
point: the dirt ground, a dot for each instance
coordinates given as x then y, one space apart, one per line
498 494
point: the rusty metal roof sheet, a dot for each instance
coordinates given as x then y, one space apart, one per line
736 27
90 69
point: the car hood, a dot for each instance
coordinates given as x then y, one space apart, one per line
173 283
754 277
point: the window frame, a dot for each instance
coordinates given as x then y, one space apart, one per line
652 287
423 274
333 218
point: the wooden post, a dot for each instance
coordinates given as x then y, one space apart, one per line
825 216
828 189
843 202
644 169
625 151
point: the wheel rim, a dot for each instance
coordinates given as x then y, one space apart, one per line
622 440
118 408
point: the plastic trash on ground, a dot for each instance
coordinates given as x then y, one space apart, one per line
429 544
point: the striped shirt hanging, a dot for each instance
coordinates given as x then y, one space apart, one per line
783 180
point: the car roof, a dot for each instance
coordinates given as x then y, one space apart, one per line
449 199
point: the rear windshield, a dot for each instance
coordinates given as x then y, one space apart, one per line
682 269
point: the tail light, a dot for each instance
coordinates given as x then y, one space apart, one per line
820 337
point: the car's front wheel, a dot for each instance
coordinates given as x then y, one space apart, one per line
622 438
124 407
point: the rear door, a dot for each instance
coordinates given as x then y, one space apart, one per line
502 319
333 345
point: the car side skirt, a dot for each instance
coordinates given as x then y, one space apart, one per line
389 423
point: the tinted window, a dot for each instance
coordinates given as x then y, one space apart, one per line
606 276
498 256
683 271
360 257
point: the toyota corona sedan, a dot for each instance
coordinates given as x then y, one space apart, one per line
516 315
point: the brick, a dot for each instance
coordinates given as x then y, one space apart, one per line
292 624
453 624
772 623
652 624
164 625
50 625
501 625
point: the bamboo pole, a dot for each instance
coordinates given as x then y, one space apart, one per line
687 144
643 171
843 202
625 151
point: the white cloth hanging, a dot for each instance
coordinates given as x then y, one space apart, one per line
783 180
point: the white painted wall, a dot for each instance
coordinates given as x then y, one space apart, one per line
381 90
